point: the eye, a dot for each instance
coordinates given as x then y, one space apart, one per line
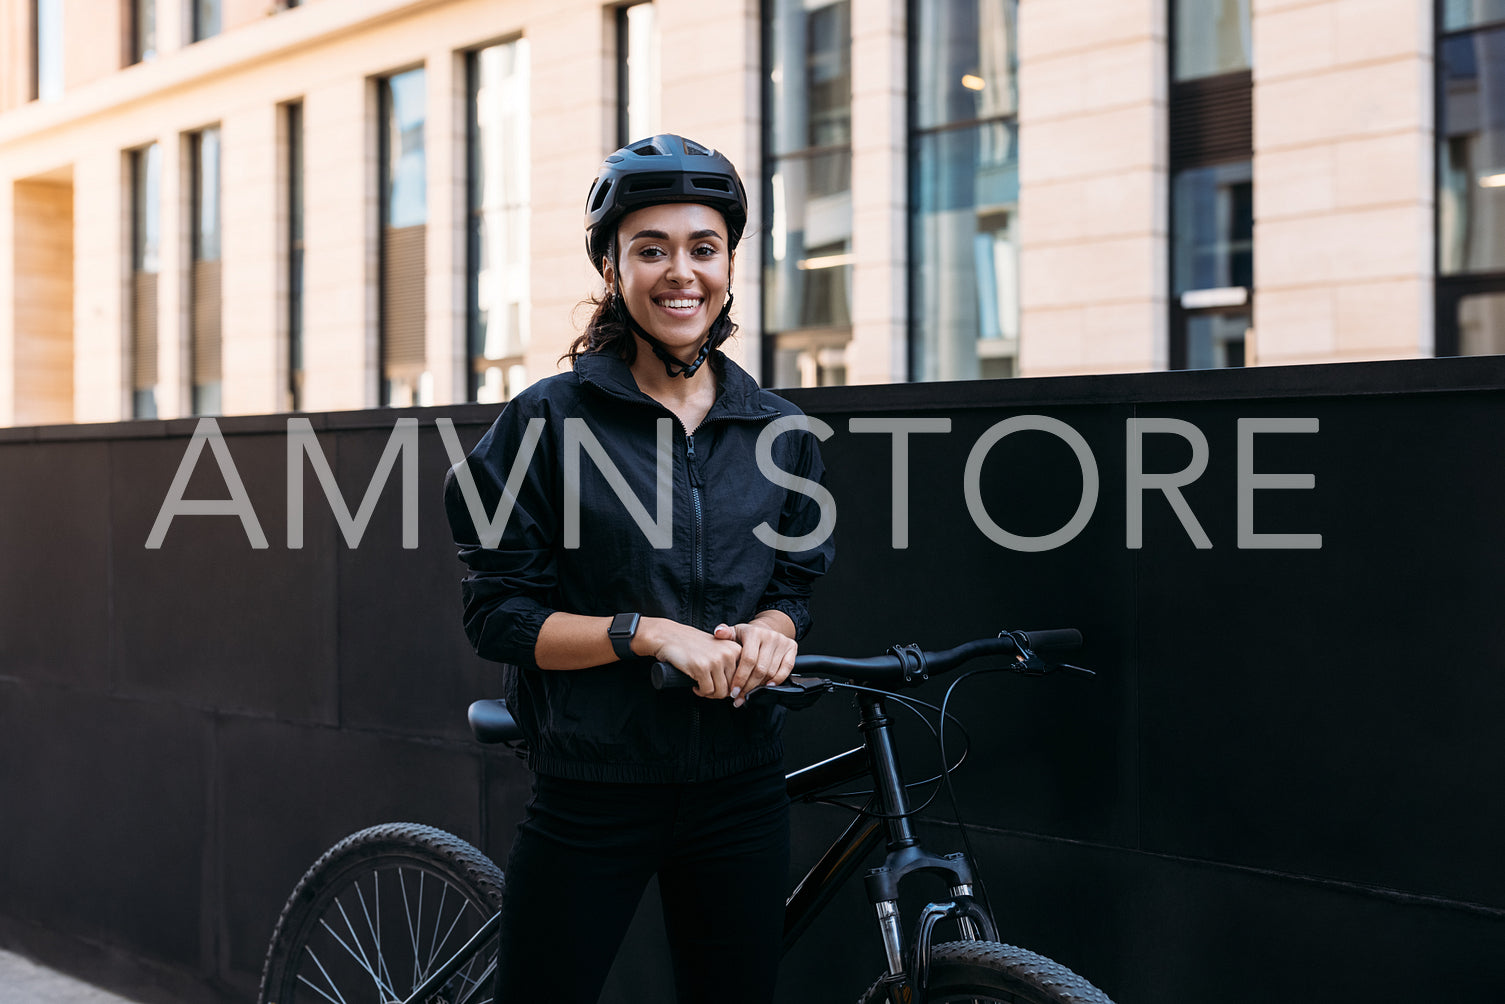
650 251
705 250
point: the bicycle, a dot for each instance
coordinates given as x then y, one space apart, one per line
335 941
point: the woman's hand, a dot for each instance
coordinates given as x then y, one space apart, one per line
768 651
710 659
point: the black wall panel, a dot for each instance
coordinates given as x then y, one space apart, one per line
403 661
206 617
106 818
55 562
1282 784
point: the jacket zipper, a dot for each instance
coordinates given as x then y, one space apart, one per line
696 592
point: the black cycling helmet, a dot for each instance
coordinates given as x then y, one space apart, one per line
659 169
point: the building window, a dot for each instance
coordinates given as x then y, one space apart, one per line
146 244
405 379
1213 262
1212 185
637 72
807 284
204 286
206 19
1471 178
964 148
47 42
1209 38
143 30
294 124
498 221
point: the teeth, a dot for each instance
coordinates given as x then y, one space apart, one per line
680 303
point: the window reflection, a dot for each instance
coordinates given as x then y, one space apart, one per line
49 65
499 188
406 379
808 280
1216 340
1214 227
1211 37
1458 14
637 72
1471 175
1481 325
965 270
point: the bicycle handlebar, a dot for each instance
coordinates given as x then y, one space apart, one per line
903 664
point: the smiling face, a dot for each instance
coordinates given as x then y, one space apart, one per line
675 271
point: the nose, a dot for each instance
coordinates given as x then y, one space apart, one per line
680 268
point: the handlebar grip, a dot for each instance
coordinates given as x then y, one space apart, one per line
665 677
1056 639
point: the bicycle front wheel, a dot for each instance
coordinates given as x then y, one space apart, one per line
985 971
381 912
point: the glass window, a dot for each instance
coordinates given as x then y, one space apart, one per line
204 157
499 192
405 165
206 19
48 16
1471 165
1216 339
1458 14
1213 245
808 269
965 184
404 213
146 243
143 30
1481 324
637 72
295 255
1210 37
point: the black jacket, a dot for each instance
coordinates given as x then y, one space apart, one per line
607 723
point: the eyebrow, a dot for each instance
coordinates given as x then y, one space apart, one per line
659 235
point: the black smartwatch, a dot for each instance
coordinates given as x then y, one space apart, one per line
623 627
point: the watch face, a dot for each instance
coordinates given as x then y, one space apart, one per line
624 625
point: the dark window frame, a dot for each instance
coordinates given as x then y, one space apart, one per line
294 123
1450 290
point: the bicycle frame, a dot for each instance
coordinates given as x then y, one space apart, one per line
876 759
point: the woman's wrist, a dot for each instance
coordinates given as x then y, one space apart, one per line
650 636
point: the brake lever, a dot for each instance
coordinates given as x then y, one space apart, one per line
796 692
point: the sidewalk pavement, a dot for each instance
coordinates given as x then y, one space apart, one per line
24 982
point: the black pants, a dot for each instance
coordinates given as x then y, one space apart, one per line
584 853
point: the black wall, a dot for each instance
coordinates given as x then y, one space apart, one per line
1283 784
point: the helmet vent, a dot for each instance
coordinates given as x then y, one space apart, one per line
652 183
692 147
601 193
712 184
648 150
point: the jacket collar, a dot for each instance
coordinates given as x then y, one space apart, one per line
737 394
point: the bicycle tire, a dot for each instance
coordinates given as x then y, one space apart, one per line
337 941
999 974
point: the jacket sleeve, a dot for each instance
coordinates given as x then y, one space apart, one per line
511 588
795 572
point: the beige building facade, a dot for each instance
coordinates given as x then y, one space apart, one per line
249 206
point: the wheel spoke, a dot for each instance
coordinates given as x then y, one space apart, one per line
356 938
375 928
327 979
358 960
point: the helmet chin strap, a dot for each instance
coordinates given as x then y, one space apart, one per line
673 366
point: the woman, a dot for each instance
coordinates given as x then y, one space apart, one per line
633 498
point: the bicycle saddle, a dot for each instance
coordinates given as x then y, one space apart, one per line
491 722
